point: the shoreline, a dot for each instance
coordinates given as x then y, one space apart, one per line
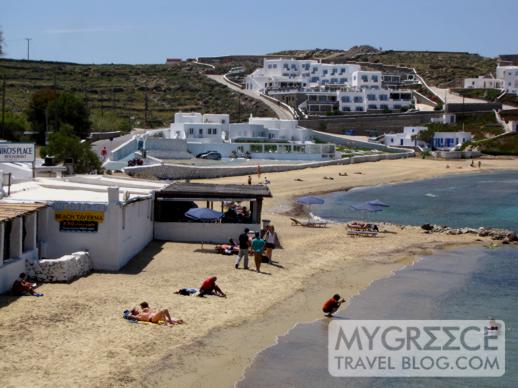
225 369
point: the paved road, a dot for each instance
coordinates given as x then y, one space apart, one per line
117 141
281 112
456 99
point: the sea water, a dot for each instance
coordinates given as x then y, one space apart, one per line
468 283
467 200
465 283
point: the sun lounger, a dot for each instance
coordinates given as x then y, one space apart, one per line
362 233
311 224
363 227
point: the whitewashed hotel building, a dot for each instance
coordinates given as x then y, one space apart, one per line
509 76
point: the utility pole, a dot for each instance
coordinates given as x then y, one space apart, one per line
239 108
28 47
146 107
3 107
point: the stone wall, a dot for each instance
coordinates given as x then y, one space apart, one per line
369 124
472 107
176 171
64 269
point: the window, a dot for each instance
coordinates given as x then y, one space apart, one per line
191 131
346 99
384 106
383 97
397 106
372 106
359 109
322 98
365 78
374 78
312 98
275 66
200 131
358 99
371 97
346 109
343 80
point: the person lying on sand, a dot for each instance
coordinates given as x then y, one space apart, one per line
298 180
22 287
342 174
148 315
209 287
187 291
331 305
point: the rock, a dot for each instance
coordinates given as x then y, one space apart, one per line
63 269
483 233
427 227
512 236
505 240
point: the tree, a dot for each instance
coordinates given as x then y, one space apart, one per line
37 112
68 109
64 145
15 126
108 122
49 110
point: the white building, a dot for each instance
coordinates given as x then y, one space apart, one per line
509 77
279 74
506 79
440 141
110 218
215 128
449 140
358 100
483 83
405 139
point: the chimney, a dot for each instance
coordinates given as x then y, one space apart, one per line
113 195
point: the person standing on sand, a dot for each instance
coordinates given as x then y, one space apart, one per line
331 305
258 247
244 245
270 237
479 164
259 171
249 179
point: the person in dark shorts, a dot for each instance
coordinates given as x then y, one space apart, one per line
244 245
22 287
209 287
331 305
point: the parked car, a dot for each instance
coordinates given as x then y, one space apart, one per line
212 155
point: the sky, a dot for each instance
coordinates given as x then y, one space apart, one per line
148 31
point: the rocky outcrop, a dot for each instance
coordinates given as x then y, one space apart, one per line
64 269
506 236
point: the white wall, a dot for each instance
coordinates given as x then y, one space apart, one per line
200 232
123 233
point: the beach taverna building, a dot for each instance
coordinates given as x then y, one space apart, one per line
172 202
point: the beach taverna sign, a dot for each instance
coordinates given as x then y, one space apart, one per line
17 152
78 216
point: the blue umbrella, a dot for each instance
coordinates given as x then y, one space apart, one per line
310 200
203 214
365 206
377 202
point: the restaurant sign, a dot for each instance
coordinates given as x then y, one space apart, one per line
79 221
17 152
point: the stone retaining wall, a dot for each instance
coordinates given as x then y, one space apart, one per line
176 171
63 269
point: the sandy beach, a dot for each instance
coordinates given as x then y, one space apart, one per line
75 335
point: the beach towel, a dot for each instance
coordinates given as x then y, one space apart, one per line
187 291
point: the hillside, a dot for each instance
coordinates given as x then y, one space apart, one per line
123 89
436 67
503 145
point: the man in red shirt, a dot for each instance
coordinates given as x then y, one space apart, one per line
209 287
332 305
22 287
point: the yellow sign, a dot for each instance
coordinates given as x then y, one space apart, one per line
70 215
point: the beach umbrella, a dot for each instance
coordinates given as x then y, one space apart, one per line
203 214
377 202
365 206
310 200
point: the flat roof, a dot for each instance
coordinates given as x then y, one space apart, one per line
209 190
10 210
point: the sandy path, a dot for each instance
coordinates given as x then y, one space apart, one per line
74 336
